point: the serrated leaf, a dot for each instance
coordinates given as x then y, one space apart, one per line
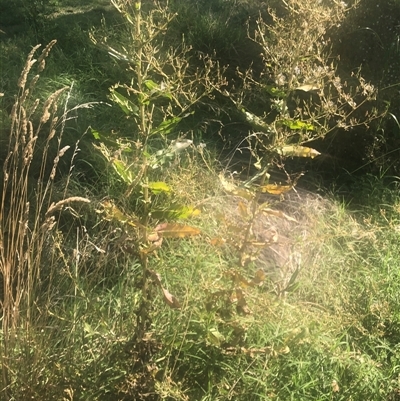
297 151
174 230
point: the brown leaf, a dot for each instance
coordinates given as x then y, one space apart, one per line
259 277
278 213
170 299
241 305
217 241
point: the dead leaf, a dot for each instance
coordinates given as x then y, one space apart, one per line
278 213
259 277
241 305
335 386
170 299
235 190
218 241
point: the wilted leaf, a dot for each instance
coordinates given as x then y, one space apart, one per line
174 230
234 190
218 241
170 299
308 88
259 277
275 189
298 151
335 386
256 122
238 279
241 305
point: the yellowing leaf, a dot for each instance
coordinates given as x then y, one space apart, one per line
298 151
174 230
297 124
158 187
275 189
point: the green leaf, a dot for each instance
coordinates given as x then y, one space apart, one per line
178 212
215 337
151 85
167 126
158 187
297 125
123 171
275 92
126 105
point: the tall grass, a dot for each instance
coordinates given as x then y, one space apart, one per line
29 212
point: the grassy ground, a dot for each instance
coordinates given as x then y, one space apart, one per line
315 316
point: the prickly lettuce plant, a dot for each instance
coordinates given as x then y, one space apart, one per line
163 90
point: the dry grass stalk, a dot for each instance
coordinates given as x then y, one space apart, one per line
25 222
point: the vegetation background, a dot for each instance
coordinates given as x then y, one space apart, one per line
200 200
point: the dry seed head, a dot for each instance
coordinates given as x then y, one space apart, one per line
59 205
28 65
49 102
45 53
24 123
32 84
